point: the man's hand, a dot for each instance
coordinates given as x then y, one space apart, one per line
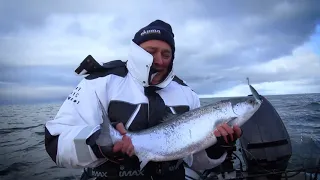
225 130
125 145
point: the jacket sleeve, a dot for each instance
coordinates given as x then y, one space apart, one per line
78 119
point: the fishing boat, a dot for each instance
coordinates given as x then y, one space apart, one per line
264 149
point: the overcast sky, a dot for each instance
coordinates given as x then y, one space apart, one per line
219 43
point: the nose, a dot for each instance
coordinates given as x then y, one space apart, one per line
157 59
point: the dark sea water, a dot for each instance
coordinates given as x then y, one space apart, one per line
22 153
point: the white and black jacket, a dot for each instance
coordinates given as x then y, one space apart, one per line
122 87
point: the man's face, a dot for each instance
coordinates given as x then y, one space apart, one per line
162 57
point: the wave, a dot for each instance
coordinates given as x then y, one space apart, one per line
13 167
17 142
316 142
10 130
313 105
40 133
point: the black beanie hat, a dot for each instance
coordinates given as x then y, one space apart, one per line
156 30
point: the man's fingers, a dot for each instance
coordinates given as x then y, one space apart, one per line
237 131
229 130
130 150
223 132
121 145
217 133
124 149
118 146
126 139
120 127
127 145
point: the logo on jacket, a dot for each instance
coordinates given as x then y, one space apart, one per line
73 97
131 173
150 31
124 173
99 174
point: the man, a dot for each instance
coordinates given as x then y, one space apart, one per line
136 94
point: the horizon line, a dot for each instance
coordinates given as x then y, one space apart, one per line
201 96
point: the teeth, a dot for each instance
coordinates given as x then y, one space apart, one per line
153 75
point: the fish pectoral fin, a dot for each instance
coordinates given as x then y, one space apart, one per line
202 161
143 163
188 160
212 163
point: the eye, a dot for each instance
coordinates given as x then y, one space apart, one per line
151 52
166 55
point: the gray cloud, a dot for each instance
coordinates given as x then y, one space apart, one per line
219 43
40 75
257 31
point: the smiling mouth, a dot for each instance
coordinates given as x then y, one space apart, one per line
153 75
157 69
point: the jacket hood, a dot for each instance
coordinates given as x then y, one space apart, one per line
139 65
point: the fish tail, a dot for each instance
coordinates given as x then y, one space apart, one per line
108 132
254 92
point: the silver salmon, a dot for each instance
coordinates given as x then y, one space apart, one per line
188 133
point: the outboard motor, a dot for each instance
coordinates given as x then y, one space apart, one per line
265 142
